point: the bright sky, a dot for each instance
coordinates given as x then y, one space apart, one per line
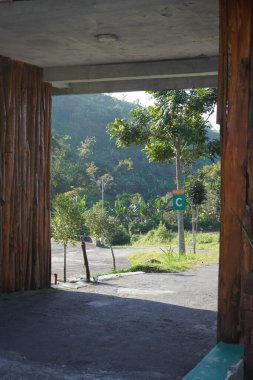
145 99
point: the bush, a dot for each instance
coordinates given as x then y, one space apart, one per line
121 237
207 238
137 227
158 236
134 238
161 234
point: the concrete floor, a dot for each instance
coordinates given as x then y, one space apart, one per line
148 326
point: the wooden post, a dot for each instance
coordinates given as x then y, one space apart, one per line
235 114
25 118
85 259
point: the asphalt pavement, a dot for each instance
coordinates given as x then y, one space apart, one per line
145 326
100 259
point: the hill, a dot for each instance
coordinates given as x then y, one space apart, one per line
82 116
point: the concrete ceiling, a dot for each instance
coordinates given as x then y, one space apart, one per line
158 43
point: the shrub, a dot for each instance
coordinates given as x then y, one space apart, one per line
161 234
158 236
207 238
121 236
134 238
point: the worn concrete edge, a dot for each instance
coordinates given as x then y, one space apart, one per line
236 372
81 282
219 362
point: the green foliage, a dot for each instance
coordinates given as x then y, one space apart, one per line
210 210
121 236
100 223
169 254
67 217
208 241
174 124
69 169
160 235
137 215
86 147
89 155
196 191
84 118
134 238
61 162
174 129
169 262
208 238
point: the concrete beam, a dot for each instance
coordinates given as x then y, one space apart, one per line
137 85
197 67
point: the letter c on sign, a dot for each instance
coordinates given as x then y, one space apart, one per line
179 202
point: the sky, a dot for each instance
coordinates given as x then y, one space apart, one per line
145 99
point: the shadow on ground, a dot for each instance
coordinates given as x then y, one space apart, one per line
78 335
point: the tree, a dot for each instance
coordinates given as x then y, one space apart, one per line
211 177
134 213
173 130
196 193
72 167
102 225
61 164
67 220
105 181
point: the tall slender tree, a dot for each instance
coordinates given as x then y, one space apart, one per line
196 192
102 225
67 220
174 129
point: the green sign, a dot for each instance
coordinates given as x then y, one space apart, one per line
179 202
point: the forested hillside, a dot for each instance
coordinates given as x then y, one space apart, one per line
85 116
88 115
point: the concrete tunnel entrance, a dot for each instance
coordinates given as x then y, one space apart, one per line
25 109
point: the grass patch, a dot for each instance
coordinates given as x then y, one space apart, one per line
208 241
168 261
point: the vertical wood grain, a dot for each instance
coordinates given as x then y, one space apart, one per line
235 117
25 138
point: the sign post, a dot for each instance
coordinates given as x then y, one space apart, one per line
179 200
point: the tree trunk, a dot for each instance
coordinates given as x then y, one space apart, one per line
85 259
113 258
194 227
180 214
193 232
65 262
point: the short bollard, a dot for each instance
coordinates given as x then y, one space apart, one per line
55 278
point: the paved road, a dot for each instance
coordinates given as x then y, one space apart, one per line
147 326
100 259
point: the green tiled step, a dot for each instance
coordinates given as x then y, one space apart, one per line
215 365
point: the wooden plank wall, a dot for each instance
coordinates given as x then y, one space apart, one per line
235 115
25 118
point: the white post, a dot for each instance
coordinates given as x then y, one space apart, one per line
102 186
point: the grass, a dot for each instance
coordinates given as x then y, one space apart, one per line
208 241
169 261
